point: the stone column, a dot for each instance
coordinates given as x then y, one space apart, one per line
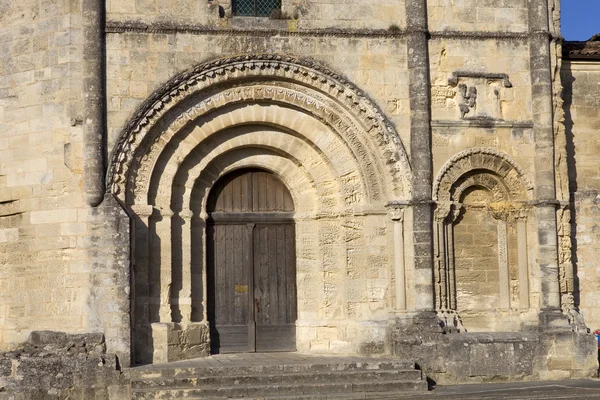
503 273
454 214
163 232
545 191
185 295
198 268
421 155
521 219
93 100
397 215
140 291
440 258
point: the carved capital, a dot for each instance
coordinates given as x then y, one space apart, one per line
164 212
521 214
186 214
442 211
142 210
396 210
455 212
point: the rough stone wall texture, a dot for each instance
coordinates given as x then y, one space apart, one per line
297 15
54 365
509 56
67 267
139 63
61 265
477 15
480 357
581 80
43 224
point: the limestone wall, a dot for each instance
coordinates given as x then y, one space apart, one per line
481 99
66 267
43 225
296 14
478 15
581 80
139 63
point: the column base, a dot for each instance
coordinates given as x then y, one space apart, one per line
174 342
552 351
554 320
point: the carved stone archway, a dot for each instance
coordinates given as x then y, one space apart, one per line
508 194
341 160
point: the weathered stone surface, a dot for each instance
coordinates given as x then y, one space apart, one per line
291 375
435 163
56 365
490 357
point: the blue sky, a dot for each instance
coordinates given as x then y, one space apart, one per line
580 19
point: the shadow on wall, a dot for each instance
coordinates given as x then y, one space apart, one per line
567 81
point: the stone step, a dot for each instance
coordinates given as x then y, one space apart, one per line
328 396
172 371
360 389
279 378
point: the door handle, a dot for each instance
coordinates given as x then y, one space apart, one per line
257 297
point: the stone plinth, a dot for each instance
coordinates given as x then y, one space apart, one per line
175 342
452 358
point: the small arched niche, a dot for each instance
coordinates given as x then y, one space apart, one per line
481 274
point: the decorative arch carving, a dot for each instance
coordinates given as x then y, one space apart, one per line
350 100
327 141
508 189
482 159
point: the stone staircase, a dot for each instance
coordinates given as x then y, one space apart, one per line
314 378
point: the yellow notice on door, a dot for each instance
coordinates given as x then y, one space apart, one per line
241 288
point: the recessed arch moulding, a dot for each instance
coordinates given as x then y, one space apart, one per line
340 158
483 281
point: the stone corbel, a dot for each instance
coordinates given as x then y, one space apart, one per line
396 213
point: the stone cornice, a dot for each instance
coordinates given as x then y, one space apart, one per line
481 123
171 28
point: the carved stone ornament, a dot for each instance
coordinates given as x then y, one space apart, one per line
396 210
474 86
467 99
306 99
501 165
277 67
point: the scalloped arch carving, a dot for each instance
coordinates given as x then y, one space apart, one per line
511 175
306 72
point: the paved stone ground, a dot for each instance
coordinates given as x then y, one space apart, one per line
567 389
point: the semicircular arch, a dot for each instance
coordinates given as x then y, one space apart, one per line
504 176
326 95
305 189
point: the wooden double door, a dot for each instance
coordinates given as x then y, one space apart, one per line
251 264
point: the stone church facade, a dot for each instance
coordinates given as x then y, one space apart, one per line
415 178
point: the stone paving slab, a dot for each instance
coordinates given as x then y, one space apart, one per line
565 389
